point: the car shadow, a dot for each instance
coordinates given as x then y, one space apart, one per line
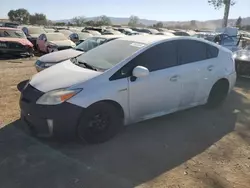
138 154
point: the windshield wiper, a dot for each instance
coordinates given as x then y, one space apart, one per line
87 65
79 49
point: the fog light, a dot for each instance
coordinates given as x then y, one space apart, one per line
50 126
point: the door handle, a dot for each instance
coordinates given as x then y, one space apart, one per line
210 68
174 78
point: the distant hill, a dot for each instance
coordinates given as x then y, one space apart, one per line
200 24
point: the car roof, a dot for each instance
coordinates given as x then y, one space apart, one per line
108 36
146 39
53 33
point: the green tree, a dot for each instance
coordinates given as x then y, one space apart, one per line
158 25
38 18
90 23
238 22
217 4
103 20
79 21
60 24
133 21
20 15
193 24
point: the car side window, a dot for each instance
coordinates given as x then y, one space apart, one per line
190 51
212 51
158 57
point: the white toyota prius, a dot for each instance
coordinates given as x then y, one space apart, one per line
127 80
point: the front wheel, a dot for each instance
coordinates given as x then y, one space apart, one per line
100 123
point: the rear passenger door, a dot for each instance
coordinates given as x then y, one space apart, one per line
191 57
196 71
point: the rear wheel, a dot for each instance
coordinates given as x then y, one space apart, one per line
218 93
100 123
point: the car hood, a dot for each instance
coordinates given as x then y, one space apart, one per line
63 43
59 56
34 35
243 55
22 41
61 75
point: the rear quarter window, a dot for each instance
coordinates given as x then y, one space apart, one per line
212 51
192 51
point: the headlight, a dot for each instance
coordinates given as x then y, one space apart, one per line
38 63
57 96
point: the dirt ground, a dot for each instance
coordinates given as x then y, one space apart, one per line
196 148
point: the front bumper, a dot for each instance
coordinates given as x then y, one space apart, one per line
48 120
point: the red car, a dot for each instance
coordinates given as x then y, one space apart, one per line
14 42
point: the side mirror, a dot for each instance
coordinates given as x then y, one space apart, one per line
140 71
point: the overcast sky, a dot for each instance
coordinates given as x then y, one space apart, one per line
162 10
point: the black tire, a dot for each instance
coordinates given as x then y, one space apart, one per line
99 123
218 94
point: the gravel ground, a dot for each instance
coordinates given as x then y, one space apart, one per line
195 148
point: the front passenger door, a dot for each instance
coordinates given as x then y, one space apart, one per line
158 93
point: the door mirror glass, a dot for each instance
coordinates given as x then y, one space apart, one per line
140 71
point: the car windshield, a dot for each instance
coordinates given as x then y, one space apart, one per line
55 36
109 54
12 33
90 43
36 30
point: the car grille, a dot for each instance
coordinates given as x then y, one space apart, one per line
30 94
64 47
242 67
12 45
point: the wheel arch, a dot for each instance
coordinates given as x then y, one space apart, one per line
113 103
223 81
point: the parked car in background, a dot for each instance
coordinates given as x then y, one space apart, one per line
75 30
50 59
33 33
9 24
51 42
230 42
165 33
147 30
124 81
242 61
124 30
112 32
99 29
13 41
131 33
65 32
79 37
181 33
49 30
93 32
